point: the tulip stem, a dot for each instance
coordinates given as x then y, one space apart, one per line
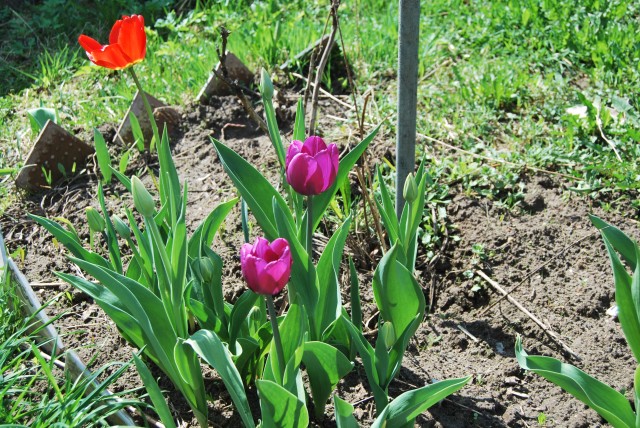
276 332
147 106
310 238
310 227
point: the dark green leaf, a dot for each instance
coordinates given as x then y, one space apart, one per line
155 394
344 413
325 367
209 347
608 402
254 188
280 408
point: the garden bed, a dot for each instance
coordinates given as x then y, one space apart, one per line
547 247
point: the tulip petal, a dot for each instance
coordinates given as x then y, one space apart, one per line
294 148
278 273
115 31
89 44
315 181
313 145
260 247
280 246
109 56
266 276
132 38
298 172
253 273
325 165
335 161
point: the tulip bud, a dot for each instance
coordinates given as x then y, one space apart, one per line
410 190
121 227
95 220
142 199
205 269
266 86
312 166
266 267
388 334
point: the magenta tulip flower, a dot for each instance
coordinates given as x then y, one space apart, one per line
266 267
311 166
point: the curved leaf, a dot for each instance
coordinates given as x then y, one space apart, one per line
608 402
344 413
280 408
397 293
254 188
325 367
211 349
403 410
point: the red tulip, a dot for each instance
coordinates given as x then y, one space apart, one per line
266 267
127 44
311 166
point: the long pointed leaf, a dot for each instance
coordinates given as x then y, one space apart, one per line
209 347
328 271
404 409
608 402
344 413
159 403
325 367
397 293
254 188
280 408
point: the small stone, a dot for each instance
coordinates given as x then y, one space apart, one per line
511 381
88 314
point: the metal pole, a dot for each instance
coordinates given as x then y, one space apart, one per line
408 38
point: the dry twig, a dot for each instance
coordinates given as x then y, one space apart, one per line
533 318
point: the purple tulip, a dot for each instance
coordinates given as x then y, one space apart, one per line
311 166
266 267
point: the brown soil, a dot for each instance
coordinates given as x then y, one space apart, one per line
549 249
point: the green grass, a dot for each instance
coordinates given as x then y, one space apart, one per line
496 78
34 391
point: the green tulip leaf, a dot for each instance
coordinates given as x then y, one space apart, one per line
70 241
608 402
329 306
292 331
627 286
239 314
397 293
280 408
145 307
211 349
111 236
344 413
299 283
404 409
299 132
205 232
155 394
112 306
103 157
38 118
618 239
367 354
387 210
254 188
325 367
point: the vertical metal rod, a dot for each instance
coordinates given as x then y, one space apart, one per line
408 40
